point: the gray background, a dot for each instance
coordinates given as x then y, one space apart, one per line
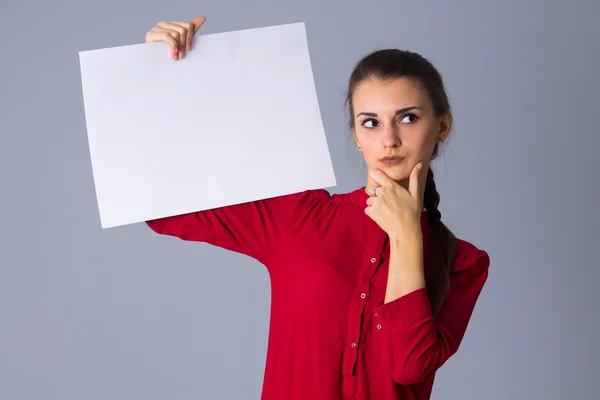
126 314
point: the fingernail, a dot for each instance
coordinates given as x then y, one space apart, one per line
420 166
189 46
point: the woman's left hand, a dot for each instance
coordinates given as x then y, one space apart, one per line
397 210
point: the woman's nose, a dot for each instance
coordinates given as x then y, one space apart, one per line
391 137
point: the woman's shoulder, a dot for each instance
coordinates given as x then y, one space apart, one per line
321 196
470 256
316 204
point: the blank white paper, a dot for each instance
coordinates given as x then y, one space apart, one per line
236 120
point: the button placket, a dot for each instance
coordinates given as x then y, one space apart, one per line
358 308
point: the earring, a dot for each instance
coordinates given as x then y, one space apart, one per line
359 148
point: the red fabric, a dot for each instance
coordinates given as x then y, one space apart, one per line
331 337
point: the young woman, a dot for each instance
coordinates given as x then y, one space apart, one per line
371 292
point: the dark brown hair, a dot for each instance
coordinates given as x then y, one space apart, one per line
389 64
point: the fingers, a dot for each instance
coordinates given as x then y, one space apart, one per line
380 177
178 34
373 190
186 31
181 35
163 35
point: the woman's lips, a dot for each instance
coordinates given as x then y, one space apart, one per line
392 160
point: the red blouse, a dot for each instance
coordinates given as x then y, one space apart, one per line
331 337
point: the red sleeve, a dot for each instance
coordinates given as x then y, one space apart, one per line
249 228
414 343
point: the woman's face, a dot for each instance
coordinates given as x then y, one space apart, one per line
396 119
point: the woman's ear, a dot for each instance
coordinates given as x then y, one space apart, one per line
445 126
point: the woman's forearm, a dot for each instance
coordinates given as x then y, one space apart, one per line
406 271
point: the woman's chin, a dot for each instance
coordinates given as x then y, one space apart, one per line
396 173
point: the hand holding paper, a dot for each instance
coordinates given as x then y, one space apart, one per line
246 124
179 35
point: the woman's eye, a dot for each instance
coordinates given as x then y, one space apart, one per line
369 123
409 119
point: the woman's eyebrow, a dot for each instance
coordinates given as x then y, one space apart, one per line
400 111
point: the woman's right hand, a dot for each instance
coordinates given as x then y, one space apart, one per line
177 34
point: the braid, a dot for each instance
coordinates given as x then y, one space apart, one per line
442 249
431 199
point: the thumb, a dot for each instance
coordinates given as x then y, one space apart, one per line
414 182
198 22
